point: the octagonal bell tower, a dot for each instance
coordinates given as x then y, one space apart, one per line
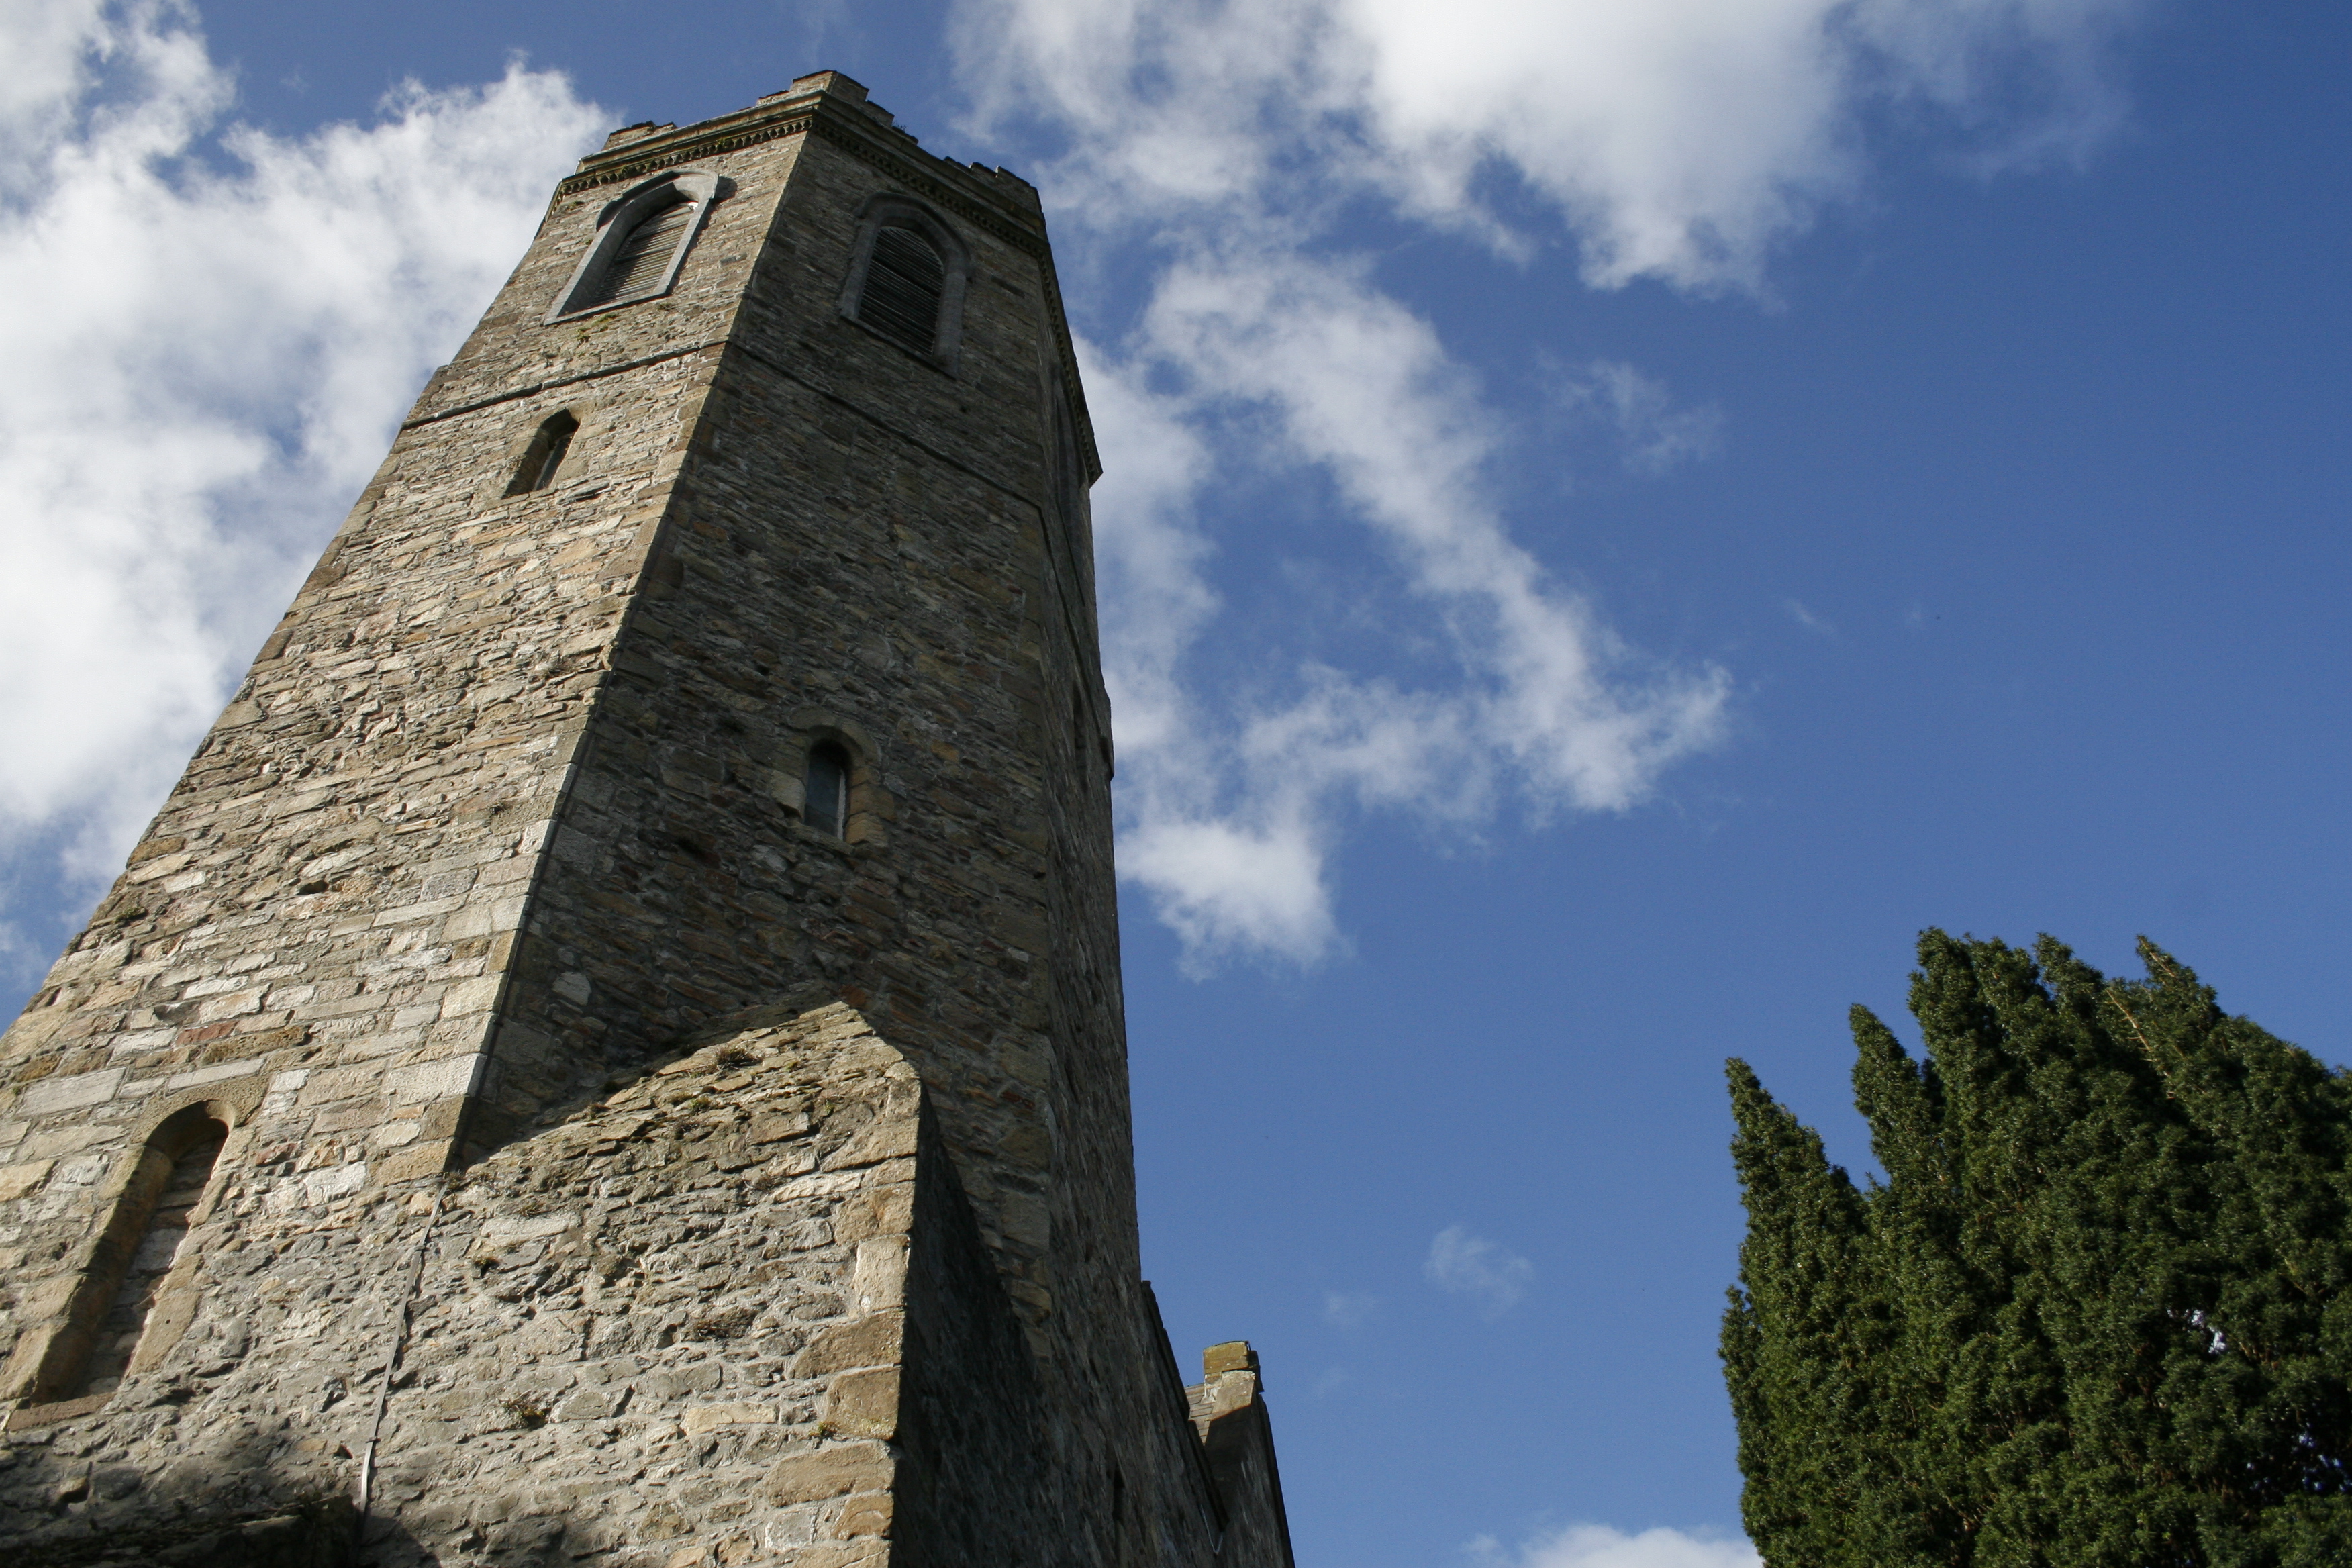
613 1048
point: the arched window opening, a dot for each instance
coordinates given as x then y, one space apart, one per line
640 242
640 263
905 284
174 1170
908 271
827 789
545 454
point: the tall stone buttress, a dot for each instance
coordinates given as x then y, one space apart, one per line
613 1051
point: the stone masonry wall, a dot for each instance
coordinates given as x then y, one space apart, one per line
316 928
862 545
856 546
666 1332
325 905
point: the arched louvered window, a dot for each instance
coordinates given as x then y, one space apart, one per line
908 271
640 263
545 454
906 282
827 789
641 241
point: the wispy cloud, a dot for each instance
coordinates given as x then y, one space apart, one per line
1805 618
1210 148
1654 434
1347 1310
207 357
1472 1266
1599 1546
1231 810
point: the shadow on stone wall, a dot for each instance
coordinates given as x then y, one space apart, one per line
973 1422
111 1516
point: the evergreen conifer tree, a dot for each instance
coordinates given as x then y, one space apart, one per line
2098 1314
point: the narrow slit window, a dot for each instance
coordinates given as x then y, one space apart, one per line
545 454
828 788
905 283
641 261
119 1329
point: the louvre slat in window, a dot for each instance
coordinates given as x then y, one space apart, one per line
640 260
904 283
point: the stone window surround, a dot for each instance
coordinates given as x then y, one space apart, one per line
544 455
621 215
56 1346
892 208
807 727
580 469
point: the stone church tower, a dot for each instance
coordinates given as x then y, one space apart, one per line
613 1052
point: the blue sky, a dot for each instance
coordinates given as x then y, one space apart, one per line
1619 515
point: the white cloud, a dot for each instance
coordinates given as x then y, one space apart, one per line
1231 812
1348 1309
1468 1265
1599 1546
1677 139
1654 435
1211 147
213 330
1803 616
209 348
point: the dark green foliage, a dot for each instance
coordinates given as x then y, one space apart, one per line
2096 1317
